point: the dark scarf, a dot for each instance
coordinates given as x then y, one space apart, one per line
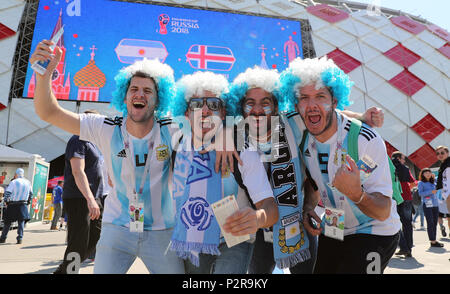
401 170
444 165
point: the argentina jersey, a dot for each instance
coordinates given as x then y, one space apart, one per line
18 190
159 211
369 144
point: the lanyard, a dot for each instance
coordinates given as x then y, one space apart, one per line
130 161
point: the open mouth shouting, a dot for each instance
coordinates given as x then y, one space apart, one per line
139 104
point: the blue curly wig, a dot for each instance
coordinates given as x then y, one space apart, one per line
162 75
321 72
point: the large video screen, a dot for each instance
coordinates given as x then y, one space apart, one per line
102 36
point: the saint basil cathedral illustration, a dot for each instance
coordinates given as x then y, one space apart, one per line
89 80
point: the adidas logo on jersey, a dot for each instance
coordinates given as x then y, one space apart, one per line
122 153
307 153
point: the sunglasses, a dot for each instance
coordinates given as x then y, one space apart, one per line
440 153
213 103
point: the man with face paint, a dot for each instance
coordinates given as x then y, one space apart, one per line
201 105
316 88
256 91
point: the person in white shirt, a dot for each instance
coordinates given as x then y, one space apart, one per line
370 225
17 197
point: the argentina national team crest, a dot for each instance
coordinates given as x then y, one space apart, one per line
162 152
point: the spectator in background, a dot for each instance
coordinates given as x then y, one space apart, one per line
418 208
405 208
17 197
443 184
427 190
57 205
82 198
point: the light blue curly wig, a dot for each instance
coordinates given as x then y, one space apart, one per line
161 73
255 77
194 85
322 72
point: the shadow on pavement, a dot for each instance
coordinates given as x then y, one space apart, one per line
53 265
43 246
405 263
437 250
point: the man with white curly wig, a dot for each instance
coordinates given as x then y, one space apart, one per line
369 233
136 149
202 102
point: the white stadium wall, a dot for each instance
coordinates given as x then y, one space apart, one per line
397 63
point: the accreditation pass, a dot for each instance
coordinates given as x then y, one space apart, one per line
136 212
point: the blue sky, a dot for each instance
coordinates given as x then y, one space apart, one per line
435 11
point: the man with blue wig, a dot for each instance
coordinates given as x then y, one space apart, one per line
136 149
368 229
201 105
288 245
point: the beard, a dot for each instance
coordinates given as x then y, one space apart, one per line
328 123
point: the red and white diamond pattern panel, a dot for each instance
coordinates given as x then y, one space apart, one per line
10 15
398 64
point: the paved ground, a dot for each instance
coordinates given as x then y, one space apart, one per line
42 250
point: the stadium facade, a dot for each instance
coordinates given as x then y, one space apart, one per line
399 62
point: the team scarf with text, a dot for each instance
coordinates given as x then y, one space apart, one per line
290 241
195 187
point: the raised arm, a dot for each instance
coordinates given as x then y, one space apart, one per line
45 103
373 116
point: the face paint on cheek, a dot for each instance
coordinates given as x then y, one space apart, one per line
267 110
327 106
247 108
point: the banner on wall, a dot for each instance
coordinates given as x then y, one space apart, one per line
39 192
101 37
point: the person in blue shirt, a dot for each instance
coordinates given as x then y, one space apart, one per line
57 204
427 191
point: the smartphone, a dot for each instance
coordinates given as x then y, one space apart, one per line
312 222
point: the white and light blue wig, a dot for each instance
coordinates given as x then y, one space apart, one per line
321 72
256 77
194 85
162 74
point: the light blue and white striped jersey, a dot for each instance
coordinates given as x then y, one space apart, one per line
372 145
18 190
159 208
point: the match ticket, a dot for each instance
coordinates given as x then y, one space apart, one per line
223 209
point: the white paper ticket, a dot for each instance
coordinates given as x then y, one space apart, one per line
223 209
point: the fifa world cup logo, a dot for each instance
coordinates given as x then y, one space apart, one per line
163 21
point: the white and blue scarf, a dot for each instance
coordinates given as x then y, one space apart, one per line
290 241
195 187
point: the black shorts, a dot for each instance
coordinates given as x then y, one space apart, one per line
357 254
444 215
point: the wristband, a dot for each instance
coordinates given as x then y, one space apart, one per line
361 198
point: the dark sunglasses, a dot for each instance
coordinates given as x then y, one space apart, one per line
440 153
213 103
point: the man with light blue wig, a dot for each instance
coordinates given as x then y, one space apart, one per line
201 105
368 230
136 149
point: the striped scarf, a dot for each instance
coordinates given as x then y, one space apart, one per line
290 241
195 187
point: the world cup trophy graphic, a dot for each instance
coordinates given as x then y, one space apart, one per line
163 21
